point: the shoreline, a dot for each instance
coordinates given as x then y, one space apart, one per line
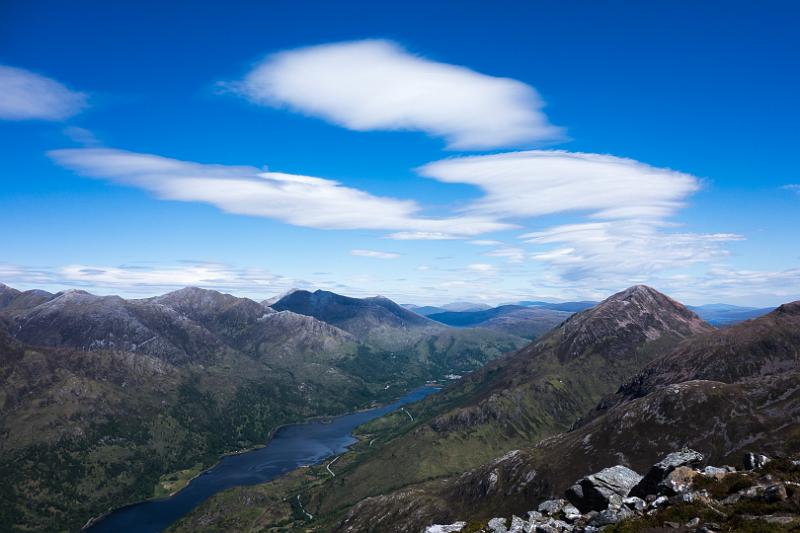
320 418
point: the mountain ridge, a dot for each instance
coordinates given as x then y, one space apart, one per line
539 391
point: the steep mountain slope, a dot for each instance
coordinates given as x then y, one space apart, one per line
146 387
515 319
375 319
765 346
77 319
11 298
512 402
101 396
414 343
188 326
722 393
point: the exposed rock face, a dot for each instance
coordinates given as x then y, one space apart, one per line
659 471
752 461
449 528
185 326
629 318
764 346
709 502
603 489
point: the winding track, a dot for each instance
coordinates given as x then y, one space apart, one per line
328 466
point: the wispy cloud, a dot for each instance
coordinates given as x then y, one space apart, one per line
421 236
81 136
542 182
377 85
512 254
794 187
602 252
484 242
26 95
720 283
481 267
622 206
374 254
295 199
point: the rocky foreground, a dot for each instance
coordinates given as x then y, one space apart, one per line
677 493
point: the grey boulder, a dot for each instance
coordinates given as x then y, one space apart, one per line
659 471
605 488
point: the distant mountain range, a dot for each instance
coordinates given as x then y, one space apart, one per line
532 318
91 386
727 315
528 322
715 314
635 377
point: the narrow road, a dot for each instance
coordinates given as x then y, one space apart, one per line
406 412
328 466
309 515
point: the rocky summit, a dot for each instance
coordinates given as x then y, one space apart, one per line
674 494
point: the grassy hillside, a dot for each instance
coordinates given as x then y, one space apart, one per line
125 399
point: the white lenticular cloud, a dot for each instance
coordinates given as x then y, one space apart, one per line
377 85
374 254
295 199
622 208
620 249
542 182
25 95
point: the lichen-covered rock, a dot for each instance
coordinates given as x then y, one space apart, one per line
775 493
677 482
634 503
497 525
659 471
551 507
715 472
571 513
518 525
610 516
607 487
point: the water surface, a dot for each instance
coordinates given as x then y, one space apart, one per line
291 447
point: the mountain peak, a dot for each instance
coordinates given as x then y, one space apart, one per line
279 297
637 314
637 291
648 300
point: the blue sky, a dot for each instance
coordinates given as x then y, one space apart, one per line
462 150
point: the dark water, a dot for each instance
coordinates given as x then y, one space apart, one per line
290 448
